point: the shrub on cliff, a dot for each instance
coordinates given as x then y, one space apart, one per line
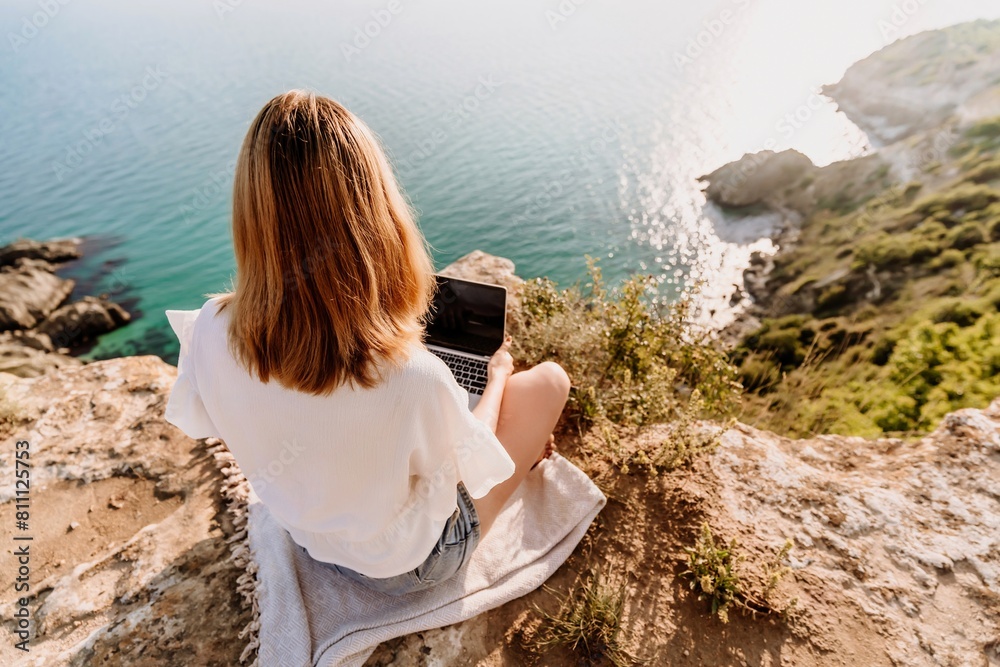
943 366
964 197
632 359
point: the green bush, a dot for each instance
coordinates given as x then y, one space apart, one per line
713 573
947 259
758 374
882 350
896 413
895 251
960 311
985 172
781 340
632 358
932 230
981 138
911 190
832 297
986 259
966 235
992 297
943 367
785 345
987 129
589 623
964 197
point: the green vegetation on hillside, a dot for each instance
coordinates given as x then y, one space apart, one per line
632 361
885 315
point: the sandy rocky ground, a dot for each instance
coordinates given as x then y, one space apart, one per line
896 554
896 545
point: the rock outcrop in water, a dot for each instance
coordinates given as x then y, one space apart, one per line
757 178
38 328
895 556
54 251
29 291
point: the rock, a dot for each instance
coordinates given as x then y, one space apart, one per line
894 559
758 178
485 268
83 320
53 251
151 583
27 361
905 533
33 262
29 338
28 293
916 83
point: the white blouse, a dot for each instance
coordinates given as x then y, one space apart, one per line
364 478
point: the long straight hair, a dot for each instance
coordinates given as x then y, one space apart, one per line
332 273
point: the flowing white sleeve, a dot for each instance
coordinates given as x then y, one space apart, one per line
185 409
458 446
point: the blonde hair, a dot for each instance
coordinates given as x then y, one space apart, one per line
332 272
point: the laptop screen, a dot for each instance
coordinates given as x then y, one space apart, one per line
467 316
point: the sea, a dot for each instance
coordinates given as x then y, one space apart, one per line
545 131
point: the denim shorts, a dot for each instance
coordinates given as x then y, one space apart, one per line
453 550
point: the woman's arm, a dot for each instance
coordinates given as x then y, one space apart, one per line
499 370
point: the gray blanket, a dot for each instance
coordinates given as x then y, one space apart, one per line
311 615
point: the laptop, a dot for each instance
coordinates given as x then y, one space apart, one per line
466 327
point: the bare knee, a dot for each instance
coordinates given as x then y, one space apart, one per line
555 378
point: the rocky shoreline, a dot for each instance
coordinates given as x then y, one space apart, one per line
914 119
40 329
897 249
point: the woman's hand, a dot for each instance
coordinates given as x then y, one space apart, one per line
501 364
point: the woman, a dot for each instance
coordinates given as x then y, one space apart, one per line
313 371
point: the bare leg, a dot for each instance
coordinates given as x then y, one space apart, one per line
531 405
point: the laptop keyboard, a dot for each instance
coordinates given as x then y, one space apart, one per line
470 373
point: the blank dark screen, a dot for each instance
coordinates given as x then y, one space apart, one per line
467 316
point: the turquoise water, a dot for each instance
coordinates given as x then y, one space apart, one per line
542 131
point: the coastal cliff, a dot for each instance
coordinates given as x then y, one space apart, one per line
936 75
879 313
849 550
893 558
